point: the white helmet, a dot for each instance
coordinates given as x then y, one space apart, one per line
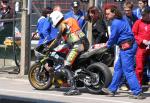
56 16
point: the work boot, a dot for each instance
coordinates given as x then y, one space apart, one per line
139 96
108 92
72 92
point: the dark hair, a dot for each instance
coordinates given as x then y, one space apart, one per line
146 11
4 1
94 10
128 4
114 9
144 1
145 16
46 11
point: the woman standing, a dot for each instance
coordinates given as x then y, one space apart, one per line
99 28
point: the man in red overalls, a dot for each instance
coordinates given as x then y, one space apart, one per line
141 30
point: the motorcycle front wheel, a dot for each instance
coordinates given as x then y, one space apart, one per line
39 78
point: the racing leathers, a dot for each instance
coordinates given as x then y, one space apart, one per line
74 39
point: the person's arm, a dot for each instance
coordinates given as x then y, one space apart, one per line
61 29
135 30
81 20
55 42
105 28
46 29
68 15
113 36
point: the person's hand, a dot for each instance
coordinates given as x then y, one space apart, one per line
148 47
104 44
35 35
145 42
45 50
100 45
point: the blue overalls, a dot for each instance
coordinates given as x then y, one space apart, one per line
121 31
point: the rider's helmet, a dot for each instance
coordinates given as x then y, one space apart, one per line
56 17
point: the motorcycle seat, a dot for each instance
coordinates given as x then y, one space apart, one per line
92 52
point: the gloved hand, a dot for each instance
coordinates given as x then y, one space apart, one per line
46 49
145 42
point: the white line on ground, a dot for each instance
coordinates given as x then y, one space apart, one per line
56 95
22 80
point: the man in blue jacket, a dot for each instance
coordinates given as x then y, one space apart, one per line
129 16
121 35
48 31
76 13
40 25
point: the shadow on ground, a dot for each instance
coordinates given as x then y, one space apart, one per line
13 99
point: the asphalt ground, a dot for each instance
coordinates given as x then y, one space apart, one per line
16 89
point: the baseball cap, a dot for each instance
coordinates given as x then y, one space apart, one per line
75 4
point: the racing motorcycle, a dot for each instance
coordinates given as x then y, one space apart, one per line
89 71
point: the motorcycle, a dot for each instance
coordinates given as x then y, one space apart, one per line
89 71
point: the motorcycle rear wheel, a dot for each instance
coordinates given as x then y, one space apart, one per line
104 77
39 79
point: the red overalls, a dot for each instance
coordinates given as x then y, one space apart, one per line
141 32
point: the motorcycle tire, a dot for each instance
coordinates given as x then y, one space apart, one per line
108 59
104 75
39 82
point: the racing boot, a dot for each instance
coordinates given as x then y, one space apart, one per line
73 90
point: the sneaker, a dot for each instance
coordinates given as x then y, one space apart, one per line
124 88
72 92
108 92
139 96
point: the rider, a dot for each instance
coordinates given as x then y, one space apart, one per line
74 39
